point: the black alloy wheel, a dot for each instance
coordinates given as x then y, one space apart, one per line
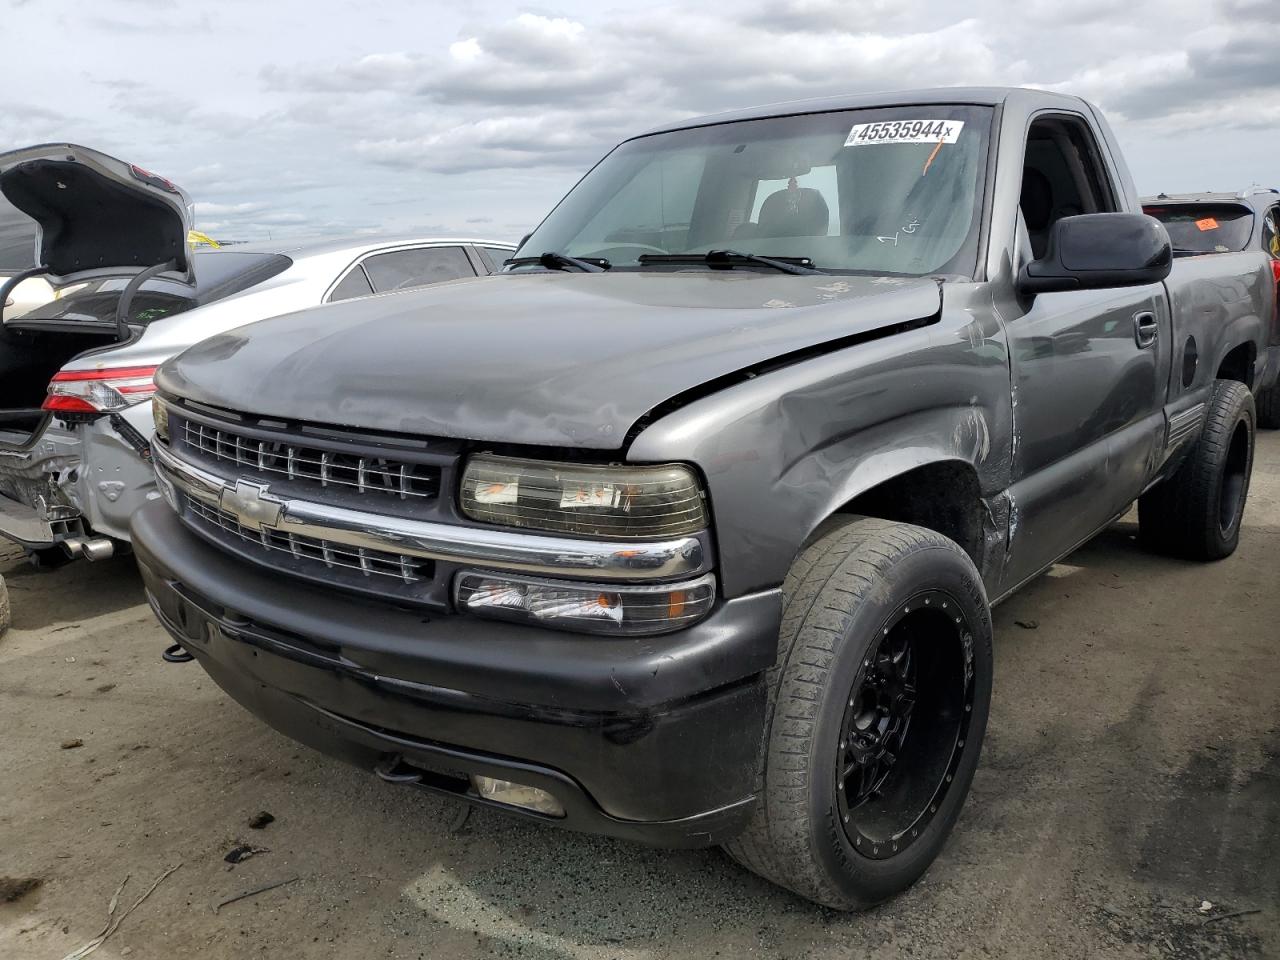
905 726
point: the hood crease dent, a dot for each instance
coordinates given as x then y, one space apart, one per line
543 359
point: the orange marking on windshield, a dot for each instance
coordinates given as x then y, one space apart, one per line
929 162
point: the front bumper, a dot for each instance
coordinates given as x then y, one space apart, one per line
654 739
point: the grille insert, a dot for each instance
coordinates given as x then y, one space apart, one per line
337 557
346 471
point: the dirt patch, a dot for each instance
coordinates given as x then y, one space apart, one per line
13 889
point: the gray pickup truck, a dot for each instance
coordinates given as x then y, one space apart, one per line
687 526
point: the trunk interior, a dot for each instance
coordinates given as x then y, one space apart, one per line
36 345
28 361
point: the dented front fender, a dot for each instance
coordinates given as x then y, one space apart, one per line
784 451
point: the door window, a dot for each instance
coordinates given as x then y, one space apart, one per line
354 284
1062 176
403 269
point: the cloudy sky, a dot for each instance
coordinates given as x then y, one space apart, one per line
305 117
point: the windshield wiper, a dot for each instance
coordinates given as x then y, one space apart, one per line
559 261
728 259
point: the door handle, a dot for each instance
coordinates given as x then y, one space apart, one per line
1145 329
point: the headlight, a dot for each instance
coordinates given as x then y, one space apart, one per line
618 502
562 605
160 414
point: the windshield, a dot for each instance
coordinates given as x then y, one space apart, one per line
885 191
1205 227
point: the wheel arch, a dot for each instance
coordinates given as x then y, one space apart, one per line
942 494
1238 363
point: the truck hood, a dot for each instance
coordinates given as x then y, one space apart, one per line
562 359
97 216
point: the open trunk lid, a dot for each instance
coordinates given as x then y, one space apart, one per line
102 229
97 216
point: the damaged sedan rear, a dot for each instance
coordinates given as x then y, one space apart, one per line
76 372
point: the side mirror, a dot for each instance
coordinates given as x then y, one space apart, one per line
1097 250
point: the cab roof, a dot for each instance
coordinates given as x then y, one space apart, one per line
1259 198
978 96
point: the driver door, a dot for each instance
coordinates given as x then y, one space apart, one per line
1088 371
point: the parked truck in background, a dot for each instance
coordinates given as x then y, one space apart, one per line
686 527
1200 224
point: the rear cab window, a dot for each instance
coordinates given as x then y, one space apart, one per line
1205 227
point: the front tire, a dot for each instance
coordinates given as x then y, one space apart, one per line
1197 512
878 705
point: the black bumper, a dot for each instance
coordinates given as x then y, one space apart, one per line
653 739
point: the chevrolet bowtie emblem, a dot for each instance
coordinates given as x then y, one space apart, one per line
250 504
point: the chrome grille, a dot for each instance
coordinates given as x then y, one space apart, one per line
347 471
337 557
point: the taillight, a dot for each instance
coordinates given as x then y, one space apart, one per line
1275 270
99 391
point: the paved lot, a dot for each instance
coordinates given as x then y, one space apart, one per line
1132 771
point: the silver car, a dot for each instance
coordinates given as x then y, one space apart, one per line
75 373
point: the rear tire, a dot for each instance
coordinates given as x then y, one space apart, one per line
1268 404
1197 512
878 705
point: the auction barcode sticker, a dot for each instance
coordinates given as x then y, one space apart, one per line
905 131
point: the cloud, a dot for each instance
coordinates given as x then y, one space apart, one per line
542 91
1208 81
206 209
282 217
445 116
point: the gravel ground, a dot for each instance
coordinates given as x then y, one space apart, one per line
1131 773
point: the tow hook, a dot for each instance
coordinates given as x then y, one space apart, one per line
393 769
176 653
